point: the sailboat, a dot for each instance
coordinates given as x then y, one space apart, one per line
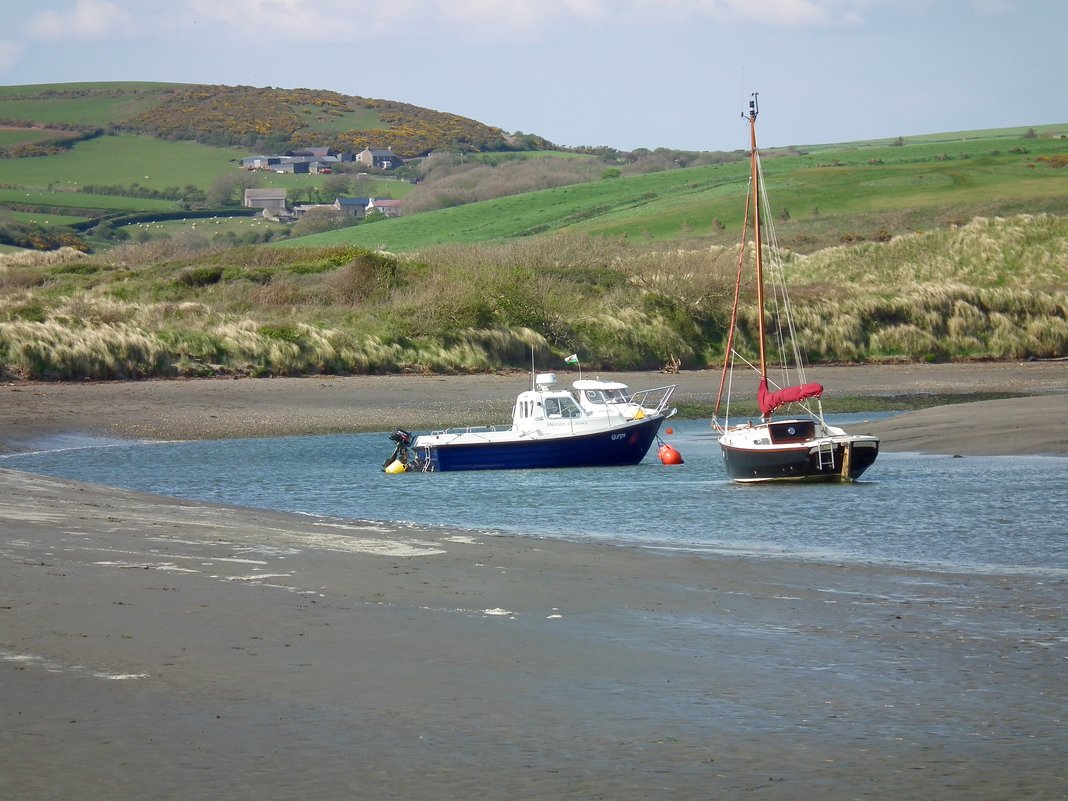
801 446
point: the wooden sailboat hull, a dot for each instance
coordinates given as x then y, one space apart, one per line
805 449
838 459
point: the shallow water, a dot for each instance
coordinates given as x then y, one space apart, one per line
1005 514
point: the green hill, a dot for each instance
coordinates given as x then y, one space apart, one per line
244 116
832 195
100 151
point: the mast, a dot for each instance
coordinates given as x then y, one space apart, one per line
754 181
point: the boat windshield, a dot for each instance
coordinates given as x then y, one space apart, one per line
606 396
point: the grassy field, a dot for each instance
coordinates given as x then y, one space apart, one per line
36 218
32 136
209 227
848 193
78 103
123 160
361 119
151 163
82 200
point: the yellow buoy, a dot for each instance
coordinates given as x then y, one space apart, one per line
396 466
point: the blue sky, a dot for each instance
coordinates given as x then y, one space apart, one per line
624 73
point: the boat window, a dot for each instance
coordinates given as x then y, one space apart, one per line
792 431
617 396
594 396
562 407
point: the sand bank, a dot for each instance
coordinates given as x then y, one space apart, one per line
155 648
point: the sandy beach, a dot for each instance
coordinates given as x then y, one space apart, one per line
161 649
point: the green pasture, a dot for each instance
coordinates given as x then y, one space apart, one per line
848 194
989 135
207 227
127 159
122 160
35 218
97 104
81 200
317 119
31 136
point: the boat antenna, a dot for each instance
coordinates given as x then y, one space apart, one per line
532 373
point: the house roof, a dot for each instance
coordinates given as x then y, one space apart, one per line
265 194
353 201
386 203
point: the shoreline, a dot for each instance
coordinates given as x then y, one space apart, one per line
255 407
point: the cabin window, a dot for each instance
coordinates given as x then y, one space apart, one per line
594 396
561 407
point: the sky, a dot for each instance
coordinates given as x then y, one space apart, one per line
623 73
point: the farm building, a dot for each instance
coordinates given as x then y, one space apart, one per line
272 201
352 206
378 158
386 206
312 160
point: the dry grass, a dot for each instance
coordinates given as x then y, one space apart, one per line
989 289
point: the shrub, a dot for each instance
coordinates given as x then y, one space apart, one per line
199 276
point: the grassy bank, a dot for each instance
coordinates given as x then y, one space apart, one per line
991 289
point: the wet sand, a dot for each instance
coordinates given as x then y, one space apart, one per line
157 648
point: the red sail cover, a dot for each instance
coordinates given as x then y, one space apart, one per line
770 401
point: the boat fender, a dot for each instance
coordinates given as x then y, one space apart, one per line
396 466
668 455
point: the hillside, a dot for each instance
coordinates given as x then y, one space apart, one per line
89 164
232 116
822 197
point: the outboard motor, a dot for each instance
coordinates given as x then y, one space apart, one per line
402 437
400 460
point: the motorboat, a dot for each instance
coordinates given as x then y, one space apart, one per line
594 424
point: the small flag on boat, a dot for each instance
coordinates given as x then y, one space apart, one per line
572 359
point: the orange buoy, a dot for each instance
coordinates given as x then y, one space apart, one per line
670 431
669 455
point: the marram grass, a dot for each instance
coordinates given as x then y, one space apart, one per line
990 289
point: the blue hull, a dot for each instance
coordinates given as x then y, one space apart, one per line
620 446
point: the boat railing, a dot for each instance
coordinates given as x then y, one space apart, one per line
656 399
470 430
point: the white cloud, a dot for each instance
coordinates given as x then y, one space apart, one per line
308 21
86 19
10 53
786 13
